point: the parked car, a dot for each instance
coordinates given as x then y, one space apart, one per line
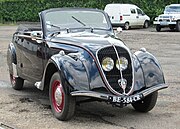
127 15
170 18
75 55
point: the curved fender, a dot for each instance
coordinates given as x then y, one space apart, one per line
139 82
73 71
151 68
11 57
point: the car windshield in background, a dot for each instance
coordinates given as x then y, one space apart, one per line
71 19
172 9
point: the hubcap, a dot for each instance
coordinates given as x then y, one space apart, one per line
146 24
126 26
57 96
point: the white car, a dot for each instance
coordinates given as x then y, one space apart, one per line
126 15
170 18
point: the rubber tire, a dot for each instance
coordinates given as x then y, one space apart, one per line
178 26
158 28
171 27
18 83
69 101
146 24
147 103
126 26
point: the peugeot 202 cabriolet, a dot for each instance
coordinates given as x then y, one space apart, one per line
73 54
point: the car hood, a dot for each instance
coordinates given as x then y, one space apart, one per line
167 15
90 41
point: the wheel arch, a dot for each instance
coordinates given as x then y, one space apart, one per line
50 70
127 22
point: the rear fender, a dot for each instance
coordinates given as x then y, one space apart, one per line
11 57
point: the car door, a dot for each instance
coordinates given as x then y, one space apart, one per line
31 58
140 17
133 17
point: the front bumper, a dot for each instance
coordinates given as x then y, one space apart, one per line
123 99
164 23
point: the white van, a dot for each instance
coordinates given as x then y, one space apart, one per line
126 15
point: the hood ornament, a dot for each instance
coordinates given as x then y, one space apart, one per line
123 84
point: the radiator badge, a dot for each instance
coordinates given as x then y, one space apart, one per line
122 83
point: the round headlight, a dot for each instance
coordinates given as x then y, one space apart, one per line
122 63
107 64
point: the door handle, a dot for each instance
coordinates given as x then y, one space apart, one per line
137 16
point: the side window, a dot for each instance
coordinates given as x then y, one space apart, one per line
133 11
139 12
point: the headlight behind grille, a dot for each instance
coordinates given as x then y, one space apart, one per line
122 63
107 64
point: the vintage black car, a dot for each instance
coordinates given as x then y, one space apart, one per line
76 56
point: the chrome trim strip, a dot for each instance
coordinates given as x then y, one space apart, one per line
118 61
90 94
27 36
103 96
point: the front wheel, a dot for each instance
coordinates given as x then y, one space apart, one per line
147 103
62 103
158 28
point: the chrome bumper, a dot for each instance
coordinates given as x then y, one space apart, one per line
164 23
106 97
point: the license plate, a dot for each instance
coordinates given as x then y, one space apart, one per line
125 99
163 23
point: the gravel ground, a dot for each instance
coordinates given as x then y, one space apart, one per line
29 108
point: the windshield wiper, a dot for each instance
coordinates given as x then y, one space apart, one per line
55 26
82 23
79 21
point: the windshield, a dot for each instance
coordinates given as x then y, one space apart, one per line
70 19
172 9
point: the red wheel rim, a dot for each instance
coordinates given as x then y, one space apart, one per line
13 79
57 96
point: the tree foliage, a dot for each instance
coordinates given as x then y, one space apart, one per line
27 10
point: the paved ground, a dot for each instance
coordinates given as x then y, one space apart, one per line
29 108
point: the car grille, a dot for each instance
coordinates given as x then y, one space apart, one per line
114 75
164 20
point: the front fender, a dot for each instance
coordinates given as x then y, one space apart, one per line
152 71
73 70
